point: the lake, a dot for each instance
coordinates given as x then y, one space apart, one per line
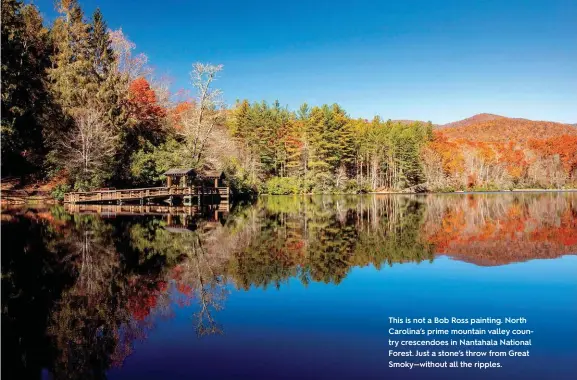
283 288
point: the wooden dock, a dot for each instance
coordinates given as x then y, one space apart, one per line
147 195
136 210
176 216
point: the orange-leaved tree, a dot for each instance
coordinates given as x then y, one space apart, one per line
564 147
146 116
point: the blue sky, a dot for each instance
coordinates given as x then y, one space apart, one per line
413 59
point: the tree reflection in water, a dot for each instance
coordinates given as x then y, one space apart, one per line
493 229
79 290
195 260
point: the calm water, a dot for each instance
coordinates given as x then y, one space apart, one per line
287 288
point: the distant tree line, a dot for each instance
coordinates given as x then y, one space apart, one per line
462 164
321 149
81 108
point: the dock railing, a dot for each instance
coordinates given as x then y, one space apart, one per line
143 193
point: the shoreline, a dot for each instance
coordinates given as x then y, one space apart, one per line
44 200
480 191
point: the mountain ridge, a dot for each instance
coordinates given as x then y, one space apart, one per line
487 127
477 118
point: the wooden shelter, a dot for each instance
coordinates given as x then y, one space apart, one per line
212 175
181 183
175 176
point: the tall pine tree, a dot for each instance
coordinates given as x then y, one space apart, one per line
72 78
25 99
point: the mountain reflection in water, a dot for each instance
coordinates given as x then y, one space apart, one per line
80 289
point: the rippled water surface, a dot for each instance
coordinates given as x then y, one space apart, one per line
286 287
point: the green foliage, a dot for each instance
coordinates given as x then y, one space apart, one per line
102 54
352 187
322 150
487 187
261 131
88 182
282 186
395 240
320 238
26 104
152 240
238 178
59 191
51 78
72 80
447 189
149 163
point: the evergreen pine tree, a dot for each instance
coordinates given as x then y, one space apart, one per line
101 51
25 100
71 75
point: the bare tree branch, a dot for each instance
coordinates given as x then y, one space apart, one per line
89 146
200 120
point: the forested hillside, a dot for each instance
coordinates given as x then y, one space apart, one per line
503 129
80 105
502 153
475 119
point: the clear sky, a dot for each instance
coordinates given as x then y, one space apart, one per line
413 59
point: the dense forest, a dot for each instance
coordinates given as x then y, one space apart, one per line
82 109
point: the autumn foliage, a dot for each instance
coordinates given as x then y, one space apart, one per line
500 231
502 153
475 119
564 147
143 102
145 299
504 129
177 113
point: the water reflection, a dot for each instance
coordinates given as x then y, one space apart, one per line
80 288
496 229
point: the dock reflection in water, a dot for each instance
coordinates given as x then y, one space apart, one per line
127 291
